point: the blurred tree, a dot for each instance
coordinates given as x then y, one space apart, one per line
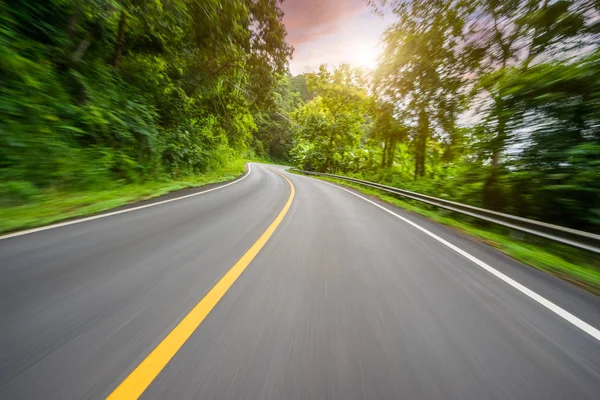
423 67
388 131
512 34
563 144
107 90
528 143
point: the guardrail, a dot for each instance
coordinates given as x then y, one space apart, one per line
572 237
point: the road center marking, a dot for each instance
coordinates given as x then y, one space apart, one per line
142 376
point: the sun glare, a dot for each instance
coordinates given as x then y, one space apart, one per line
364 55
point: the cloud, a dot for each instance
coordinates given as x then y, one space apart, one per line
308 20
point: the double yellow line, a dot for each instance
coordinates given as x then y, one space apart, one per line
136 383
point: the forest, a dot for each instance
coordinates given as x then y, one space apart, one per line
486 102
490 103
103 92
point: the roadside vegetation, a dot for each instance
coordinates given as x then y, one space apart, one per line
493 104
108 101
487 103
52 206
490 103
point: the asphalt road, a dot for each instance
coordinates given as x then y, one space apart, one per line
344 301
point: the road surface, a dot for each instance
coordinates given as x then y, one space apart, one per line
337 299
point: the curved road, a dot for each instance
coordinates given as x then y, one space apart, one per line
343 300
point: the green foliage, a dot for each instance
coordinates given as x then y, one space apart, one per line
106 92
388 130
563 145
489 103
329 125
298 85
100 92
35 207
423 68
274 128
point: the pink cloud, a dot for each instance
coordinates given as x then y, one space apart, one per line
307 20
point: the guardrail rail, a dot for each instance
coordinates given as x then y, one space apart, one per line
572 237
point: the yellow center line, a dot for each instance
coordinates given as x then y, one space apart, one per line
140 378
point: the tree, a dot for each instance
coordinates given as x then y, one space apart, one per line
423 67
330 124
560 107
298 84
274 127
513 34
107 91
388 131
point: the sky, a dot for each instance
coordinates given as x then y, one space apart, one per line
332 32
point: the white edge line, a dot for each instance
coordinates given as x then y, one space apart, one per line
110 214
584 326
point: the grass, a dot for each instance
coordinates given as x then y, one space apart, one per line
54 206
576 266
570 264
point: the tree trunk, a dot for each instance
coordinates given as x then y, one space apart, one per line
421 144
120 40
391 153
500 139
493 197
328 158
72 25
384 153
